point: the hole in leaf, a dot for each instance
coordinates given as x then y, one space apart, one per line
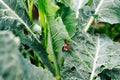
52 62
77 49
89 73
102 66
73 68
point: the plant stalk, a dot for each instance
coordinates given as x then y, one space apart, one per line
92 18
89 23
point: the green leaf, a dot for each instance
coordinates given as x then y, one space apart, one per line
46 9
12 64
69 20
56 32
90 57
56 36
68 15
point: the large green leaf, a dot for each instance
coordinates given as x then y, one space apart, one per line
56 34
69 19
12 64
68 16
90 57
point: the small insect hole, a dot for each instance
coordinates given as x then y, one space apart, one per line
89 73
102 66
73 68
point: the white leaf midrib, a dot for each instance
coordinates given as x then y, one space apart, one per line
98 7
95 59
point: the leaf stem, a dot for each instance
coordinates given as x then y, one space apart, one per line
95 59
92 18
89 23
